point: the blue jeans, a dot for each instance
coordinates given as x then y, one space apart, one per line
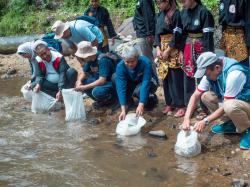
104 92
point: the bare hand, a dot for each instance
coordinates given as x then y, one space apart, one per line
199 126
80 88
150 39
140 109
78 83
122 115
37 88
59 95
159 53
186 124
113 41
180 59
165 54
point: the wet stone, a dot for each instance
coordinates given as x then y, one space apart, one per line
151 154
227 173
158 134
5 76
173 126
239 183
94 121
11 71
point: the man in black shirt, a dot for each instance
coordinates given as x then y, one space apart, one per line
106 26
144 25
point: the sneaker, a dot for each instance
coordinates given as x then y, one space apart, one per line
245 140
224 128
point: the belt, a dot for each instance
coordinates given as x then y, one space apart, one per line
195 35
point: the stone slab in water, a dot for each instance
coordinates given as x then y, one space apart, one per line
158 133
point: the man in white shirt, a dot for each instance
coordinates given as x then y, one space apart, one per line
54 73
223 79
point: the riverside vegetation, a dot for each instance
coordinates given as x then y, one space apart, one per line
19 17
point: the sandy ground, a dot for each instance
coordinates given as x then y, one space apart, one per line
221 160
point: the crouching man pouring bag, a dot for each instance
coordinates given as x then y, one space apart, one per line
226 80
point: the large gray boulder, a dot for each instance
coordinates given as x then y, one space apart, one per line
127 28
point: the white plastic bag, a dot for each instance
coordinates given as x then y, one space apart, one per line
43 102
27 94
187 144
130 126
74 106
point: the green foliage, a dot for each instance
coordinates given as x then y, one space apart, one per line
26 17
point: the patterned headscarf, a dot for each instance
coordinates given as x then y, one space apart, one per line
26 48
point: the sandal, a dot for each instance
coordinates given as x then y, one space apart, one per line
167 110
180 113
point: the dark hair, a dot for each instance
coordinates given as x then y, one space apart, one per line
173 6
198 2
217 62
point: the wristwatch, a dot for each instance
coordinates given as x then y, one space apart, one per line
206 121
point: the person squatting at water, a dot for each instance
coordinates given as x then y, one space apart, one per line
234 16
77 31
25 50
95 78
198 30
168 36
54 74
226 80
135 77
106 26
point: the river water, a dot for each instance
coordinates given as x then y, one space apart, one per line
43 150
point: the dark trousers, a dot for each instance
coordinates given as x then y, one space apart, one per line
173 88
189 88
103 93
52 88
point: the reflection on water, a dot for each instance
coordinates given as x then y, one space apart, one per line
43 150
188 166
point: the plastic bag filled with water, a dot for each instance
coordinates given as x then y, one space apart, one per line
27 94
187 144
74 106
42 103
131 125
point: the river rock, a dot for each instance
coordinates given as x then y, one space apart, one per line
158 134
5 76
239 183
246 154
211 140
11 71
127 28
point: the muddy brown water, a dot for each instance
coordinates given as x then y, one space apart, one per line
43 150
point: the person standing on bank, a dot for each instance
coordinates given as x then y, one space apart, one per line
234 16
54 74
95 78
135 77
77 31
168 35
106 26
144 26
198 30
226 80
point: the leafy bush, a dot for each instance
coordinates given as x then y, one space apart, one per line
26 17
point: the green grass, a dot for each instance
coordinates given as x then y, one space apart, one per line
19 17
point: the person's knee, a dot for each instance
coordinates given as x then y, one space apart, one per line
209 97
99 93
72 74
230 107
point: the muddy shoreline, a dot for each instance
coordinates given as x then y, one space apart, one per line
219 164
